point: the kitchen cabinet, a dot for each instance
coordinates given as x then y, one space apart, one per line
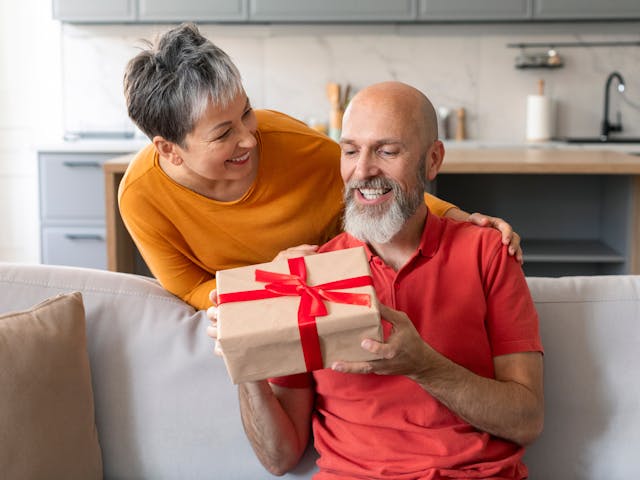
575 210
331 10
336 11
72 208
97 11
586 9
474 10
200 10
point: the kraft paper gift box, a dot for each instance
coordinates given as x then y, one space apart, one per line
273 333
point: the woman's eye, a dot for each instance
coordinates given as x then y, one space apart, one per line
223 136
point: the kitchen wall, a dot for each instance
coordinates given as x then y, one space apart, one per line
287 67
30 107
56 78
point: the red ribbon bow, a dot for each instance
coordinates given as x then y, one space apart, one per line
311 301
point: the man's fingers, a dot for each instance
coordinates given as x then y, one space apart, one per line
390 315
352 367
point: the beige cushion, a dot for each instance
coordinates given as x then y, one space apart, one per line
47 424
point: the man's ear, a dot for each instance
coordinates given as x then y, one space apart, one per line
435 156
168 150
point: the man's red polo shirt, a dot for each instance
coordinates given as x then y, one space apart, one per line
469 300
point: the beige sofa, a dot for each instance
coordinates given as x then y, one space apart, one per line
165 408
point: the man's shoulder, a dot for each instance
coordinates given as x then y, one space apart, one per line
465 239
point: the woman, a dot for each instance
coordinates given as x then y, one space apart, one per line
223 185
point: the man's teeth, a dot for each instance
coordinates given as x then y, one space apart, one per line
239 159
372 193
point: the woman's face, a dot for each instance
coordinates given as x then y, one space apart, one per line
221 149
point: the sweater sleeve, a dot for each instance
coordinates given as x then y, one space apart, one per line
436 205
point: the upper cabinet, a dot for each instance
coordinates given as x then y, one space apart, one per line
332 11
337 11
113 11
475 10
586 9
192 10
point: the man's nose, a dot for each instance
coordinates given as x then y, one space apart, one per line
367 166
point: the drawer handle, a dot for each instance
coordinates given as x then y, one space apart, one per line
82 164
84 236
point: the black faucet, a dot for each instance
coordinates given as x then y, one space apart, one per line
606 126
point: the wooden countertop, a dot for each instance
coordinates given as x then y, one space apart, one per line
508 161
539 160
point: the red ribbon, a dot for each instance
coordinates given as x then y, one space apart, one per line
311 301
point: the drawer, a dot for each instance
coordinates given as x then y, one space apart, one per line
75 246
72 186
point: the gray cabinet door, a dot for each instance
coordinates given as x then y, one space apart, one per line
331 10
75 246
193 10
586 9
72 186
475 10
94 10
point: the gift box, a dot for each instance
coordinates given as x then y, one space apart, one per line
296 315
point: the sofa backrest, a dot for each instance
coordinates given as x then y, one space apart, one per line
166 409
590 329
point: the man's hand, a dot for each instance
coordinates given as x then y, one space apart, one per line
509 237
404 352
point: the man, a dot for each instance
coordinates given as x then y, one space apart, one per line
458 391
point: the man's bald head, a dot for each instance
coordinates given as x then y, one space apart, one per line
401 101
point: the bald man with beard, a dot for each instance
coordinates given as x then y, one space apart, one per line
458 390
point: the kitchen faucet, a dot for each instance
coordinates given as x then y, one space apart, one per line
608 127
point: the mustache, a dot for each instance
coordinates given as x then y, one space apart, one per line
375 182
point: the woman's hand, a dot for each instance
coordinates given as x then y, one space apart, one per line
509 237
297 251
212 313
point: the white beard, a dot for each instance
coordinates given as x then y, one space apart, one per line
379 224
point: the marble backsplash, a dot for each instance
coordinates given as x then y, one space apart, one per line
287 67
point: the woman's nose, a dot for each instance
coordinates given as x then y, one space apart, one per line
248 138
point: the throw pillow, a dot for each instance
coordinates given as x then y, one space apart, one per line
47 419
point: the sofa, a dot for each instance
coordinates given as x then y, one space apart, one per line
164 407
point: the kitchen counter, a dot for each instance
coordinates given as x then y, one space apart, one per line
539 160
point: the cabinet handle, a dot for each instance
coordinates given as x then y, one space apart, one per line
84 236
82 164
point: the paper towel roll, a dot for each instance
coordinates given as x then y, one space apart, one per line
539 118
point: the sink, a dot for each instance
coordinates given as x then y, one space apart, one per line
601 140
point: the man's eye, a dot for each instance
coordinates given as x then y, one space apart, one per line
386 153
247 112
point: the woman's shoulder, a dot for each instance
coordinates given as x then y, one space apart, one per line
141 166
274 122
